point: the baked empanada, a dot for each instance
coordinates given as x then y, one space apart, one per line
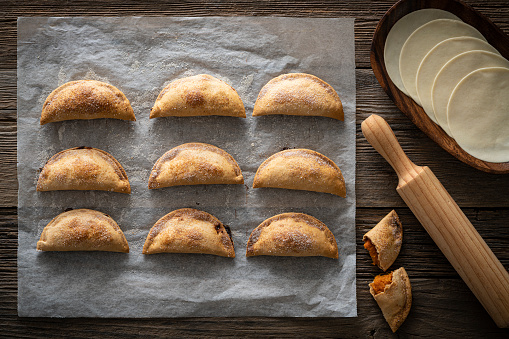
393 294
292 235
84 100
195 164
298 94
82 230
384 241
301 169
197 96
189 231
83 168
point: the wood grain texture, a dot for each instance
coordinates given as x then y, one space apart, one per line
419 254
494 35
443 305
432 299
375 178
366 13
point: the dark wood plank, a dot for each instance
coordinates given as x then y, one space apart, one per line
419 254
436 292
9 181
7 88
376 181
367 14
431 299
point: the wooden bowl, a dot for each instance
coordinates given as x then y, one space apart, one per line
491 32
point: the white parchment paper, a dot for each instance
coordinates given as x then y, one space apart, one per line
140 55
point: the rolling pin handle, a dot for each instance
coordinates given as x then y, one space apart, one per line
380 135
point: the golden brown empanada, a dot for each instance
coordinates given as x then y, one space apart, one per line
82 230
84 100
83 168
189 231
301 169
384 241
198 95
393 294
298 94
293 235
195 164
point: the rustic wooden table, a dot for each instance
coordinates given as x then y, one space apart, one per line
443 306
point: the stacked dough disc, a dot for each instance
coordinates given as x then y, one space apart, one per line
462 82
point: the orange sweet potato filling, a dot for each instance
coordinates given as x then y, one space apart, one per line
372 251
380 282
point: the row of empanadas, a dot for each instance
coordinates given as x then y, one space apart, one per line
86 168
188 230
199 95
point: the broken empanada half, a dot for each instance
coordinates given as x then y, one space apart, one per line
83 230
198 95
293 235
298 94
187 230
384 241
195 164
84 100
301 169
393 294
83 168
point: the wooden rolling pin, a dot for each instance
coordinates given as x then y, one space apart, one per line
445 223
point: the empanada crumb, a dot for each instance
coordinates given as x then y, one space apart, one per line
380 282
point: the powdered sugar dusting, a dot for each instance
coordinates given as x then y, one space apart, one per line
92 75
62 76
245 91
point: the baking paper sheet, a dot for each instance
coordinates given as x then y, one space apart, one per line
140 55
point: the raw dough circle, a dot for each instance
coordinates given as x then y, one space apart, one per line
436 58
400 32
451 74
420 42
478 114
